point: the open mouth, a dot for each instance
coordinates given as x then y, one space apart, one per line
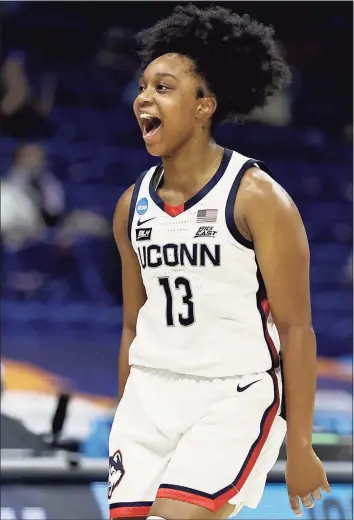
150 124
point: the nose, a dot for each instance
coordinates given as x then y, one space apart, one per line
145 97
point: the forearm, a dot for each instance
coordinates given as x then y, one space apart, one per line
299 359
128 336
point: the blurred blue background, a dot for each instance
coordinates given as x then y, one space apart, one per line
70 146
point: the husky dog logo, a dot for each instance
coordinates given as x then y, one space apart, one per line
116 472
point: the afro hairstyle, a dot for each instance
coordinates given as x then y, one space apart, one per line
236 56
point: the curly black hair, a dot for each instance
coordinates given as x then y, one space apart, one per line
236 56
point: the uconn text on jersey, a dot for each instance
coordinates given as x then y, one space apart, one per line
173 255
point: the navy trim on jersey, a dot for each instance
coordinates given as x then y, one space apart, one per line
230 203
133 202
153 189
261 296
201 193
131 504
234 485
188 490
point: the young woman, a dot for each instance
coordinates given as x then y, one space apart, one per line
216 280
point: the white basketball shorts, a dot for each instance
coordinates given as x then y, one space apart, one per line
198 440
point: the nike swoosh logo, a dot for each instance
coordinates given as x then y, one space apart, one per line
141 222
243 388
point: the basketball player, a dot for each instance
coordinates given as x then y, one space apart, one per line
215 278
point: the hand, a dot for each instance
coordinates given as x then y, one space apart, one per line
305 477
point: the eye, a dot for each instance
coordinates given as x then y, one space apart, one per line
162 88
141 88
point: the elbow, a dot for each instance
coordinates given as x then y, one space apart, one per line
296 336
129 329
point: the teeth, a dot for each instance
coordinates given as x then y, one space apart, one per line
145 116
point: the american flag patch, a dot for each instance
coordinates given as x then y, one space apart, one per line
206 215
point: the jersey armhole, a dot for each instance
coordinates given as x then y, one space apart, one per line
133 202
230 203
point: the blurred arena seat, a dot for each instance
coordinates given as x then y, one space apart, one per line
95 172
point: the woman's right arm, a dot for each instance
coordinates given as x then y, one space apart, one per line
134 295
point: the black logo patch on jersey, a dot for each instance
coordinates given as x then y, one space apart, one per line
116 472
143 233
142 222
205 231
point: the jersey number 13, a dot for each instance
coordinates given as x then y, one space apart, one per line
180 284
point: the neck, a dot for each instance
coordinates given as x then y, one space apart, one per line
194 160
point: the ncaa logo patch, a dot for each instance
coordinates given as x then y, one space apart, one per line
116 472
142 206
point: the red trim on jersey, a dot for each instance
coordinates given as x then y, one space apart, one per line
273 350
213 504
173 211
131 511
185 496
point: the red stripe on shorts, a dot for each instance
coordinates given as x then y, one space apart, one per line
131 511
186 496
214 502
255 450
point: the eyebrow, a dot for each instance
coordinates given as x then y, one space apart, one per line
160 74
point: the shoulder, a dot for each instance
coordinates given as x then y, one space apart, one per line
259 191
125 200
121 214
123 204
261 204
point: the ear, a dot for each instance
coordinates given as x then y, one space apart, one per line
206 107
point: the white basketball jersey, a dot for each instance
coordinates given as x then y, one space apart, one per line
207 312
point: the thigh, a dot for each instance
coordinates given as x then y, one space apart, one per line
176 510
220 454
138 456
